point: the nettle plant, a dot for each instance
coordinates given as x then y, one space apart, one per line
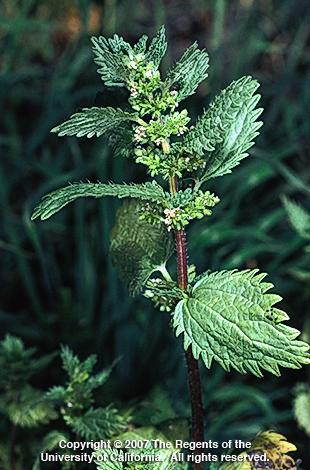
73 405
228 316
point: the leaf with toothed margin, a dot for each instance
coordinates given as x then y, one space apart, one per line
94 121
227 130
56 200
110 55
231 318
138 247
157 48
188 72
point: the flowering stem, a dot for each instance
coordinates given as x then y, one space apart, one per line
194 381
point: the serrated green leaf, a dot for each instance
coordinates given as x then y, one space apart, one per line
157 48
117 44
201 138
101 378
227 129
140 46
189 71
56 393
71 362
137 247
94 121
231 318
98 423
298 216
56 200
109 55
302 407
75 367
30 408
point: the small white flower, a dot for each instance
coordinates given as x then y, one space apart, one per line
132 64
148 293
170 212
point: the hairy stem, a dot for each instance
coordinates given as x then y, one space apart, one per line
194 381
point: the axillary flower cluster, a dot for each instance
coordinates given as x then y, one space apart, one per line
181 208
158 124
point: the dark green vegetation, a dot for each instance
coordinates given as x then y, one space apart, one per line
57 284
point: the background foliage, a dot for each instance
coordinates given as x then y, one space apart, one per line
58 285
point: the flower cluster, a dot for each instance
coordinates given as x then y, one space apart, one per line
159 130
147 95
178 211
165 295
158 121
196 208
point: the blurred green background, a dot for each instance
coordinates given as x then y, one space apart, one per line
57 283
